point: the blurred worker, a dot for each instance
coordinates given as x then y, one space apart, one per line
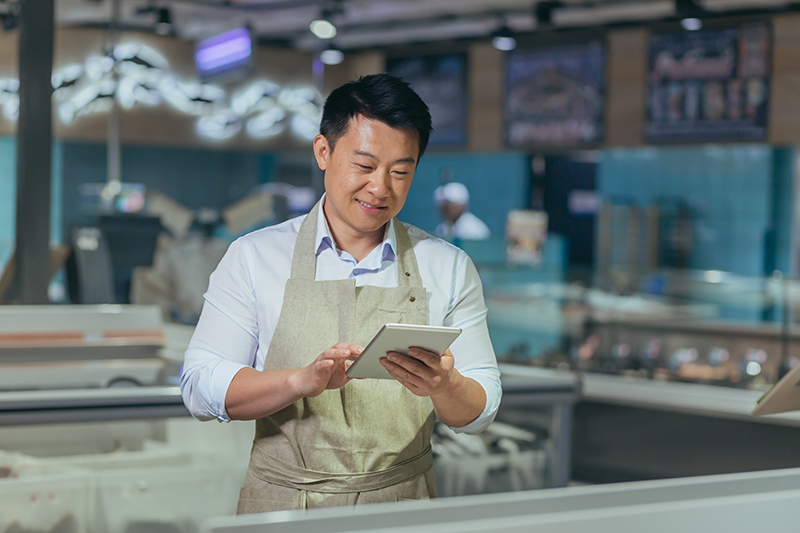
452 201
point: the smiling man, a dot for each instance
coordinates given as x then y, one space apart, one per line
291 306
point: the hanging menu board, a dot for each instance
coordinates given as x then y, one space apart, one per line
441 82
555 94
709 85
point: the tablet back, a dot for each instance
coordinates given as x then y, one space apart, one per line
400 338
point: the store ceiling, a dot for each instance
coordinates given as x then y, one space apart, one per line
364 24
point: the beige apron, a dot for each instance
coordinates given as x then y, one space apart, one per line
367 442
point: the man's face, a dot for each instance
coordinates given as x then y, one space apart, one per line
367 176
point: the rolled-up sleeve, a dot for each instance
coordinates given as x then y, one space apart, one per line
472 350
226 337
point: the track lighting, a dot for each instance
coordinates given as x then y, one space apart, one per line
331 55
163 21
503 39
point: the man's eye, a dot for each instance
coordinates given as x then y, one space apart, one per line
363 167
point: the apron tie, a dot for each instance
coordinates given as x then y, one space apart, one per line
291 476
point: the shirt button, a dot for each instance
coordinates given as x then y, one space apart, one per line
411 299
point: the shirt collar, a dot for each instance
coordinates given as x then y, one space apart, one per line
324 239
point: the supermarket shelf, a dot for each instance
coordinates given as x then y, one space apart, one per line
689 398
89 405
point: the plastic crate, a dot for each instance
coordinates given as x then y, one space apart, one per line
154 454
173 498
43 497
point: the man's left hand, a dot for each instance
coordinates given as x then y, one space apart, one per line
424 373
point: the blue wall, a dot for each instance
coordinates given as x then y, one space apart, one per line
497 183
8 195
740 194
731 189
8 181
194 178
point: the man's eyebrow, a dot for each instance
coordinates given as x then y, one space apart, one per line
372 156
365 154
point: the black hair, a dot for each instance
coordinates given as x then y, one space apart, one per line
380 97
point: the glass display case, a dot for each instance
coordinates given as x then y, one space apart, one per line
100 457
705 327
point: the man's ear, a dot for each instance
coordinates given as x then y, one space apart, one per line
322 151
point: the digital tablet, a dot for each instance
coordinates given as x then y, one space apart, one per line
400 338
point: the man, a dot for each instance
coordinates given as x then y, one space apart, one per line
452 201
290 306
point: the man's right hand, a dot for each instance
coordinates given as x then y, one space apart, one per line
253 394
327 371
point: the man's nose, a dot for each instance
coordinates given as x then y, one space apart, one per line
379 183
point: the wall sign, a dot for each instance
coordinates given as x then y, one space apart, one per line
554 95
709 85
441 81
137 75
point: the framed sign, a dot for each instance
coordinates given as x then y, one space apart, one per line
441 81
555 95
709 85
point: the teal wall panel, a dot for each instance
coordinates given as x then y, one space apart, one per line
8 182
497 183
8 195
729 189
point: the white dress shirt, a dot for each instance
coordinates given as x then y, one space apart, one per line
466 227
245 296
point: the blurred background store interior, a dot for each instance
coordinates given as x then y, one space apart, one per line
636 163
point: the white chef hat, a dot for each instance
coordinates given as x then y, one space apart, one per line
454 192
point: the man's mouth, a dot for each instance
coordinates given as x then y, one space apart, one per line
368 206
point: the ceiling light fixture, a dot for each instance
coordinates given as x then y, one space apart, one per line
8 18
691 24
163 21
331 55
323 28
690 13
503 39
543 11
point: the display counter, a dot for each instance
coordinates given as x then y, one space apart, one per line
763 501
672 364
132 459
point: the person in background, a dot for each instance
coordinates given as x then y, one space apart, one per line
452 201
290 306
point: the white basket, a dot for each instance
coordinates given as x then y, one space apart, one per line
154 454
169 498
42 497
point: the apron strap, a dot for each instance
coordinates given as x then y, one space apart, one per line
304 257
276 472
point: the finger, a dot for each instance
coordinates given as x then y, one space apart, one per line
409 381
356 349
324 365
431 359
336 353
353 350
402 374
411 365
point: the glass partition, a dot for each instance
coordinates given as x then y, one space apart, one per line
709 327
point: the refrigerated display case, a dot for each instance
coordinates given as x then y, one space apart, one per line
672 365
131 459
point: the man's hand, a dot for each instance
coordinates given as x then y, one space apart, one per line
457 400
424 373
327 371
